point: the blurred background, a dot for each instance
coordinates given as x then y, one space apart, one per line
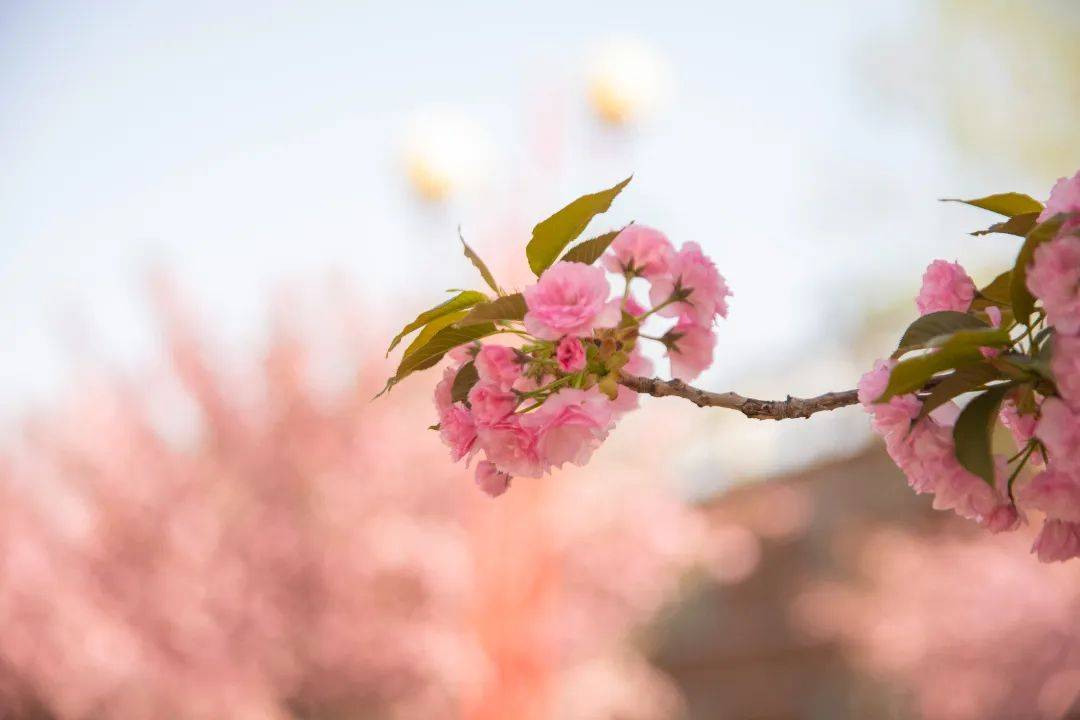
214 215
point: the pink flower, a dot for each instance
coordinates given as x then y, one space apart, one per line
1057 541
1065 365
969 496
994 313
458 431
570 355
1054 278
945 286
498 364
511 446
693 271
690 349
633 307
490 403
1022 427
1056 493
1064 198
444 390
640 250
569 426
627 399
891 418
1059 430
569 299
490 479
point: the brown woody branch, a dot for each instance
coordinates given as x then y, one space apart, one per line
792 407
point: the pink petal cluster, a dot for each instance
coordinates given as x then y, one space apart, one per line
690 349
569 299
925 451
945 286
691 270
570 354
1065 366
640 251
556 398
498 364
1054 278
1064 198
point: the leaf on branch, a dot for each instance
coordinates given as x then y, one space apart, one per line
440 343
973 432
464 299
428 331
964 380
550 236
979 337
466 377
508 307
1023 301
479 264
933 325
998 292
1016 225
590 251
1008 204
912 374
1037 367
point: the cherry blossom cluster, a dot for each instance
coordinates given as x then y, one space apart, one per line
1016 343
553 396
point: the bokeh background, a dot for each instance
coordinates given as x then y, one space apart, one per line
213 216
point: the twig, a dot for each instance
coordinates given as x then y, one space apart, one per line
792 407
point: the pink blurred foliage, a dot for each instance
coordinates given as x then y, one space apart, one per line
266 542
964 622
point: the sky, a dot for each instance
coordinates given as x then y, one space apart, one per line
246 147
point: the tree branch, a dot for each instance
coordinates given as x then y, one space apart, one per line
792 407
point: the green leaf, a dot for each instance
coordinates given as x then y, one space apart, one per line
973 432
960 381
441 343
933 325
998 292
1009 204
912 374
1037 367
590 251
550 236
508 307
980 337
464 299
1022 300
479 264
428 331
463 382
1017 225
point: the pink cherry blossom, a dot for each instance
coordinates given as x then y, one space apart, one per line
1055 492
692 270
893 417
691 350
490 479
1054 278
1022 427
569 426
1059 430
627 399
640 250
1064 198
945 286
457 428
511 446
570 355
970 497
1065 365
444 390
569 299
1057 541
633 307
498 364
490 403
